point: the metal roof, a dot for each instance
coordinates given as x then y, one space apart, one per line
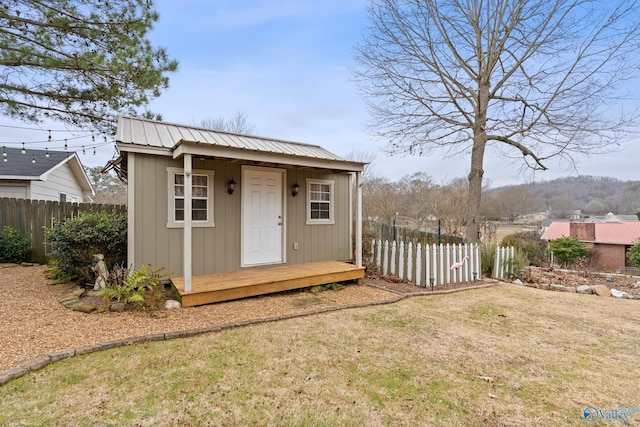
619 233
142 135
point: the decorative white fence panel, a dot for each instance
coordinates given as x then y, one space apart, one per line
503 263
429 265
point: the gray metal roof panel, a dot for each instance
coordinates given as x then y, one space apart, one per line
166 135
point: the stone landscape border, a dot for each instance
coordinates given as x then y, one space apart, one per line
45 360
599 290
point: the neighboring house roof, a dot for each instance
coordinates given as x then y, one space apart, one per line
618 233
22 166
153 137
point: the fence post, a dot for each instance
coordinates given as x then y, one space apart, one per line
393 258
373 248
440 273
401 261
410 261
385 258
419 264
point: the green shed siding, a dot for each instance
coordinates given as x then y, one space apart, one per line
217 249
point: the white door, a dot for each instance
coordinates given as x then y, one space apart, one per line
262 222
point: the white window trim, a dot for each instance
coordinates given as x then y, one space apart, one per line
331 184
171 223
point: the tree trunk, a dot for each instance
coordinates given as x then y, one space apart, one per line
477 158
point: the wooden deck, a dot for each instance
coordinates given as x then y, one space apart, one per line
250 282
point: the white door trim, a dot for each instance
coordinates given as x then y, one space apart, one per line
245 261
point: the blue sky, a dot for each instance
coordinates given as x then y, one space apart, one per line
286 65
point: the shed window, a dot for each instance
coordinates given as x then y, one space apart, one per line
320 202
201 198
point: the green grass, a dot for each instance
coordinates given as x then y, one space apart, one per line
498 356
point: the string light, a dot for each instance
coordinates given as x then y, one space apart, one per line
52 141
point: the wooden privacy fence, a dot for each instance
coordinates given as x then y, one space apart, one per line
428 265
33 216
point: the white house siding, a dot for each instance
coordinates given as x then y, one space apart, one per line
217 249
61 180
16 190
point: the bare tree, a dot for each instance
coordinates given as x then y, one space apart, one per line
417 192
448 204
239 123
535 78
513 202
108 188
381 199
363 157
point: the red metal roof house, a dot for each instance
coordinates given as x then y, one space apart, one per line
610 240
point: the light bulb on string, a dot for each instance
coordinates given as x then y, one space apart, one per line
23 151
49 135
83 152
4 151
93 137
65 144
94 151
46 153
33 158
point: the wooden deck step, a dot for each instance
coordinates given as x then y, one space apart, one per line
217 287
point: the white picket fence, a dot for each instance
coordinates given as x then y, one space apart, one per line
503 263
429 265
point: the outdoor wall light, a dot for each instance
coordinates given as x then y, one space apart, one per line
295 187
431 280
231 186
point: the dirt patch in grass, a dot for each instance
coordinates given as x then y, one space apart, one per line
505 355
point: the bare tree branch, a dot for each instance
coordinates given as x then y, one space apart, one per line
539 78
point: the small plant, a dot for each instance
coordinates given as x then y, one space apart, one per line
14 245
568 250
516 263
488 258
139 288
332 286
533 249
54 274
634 253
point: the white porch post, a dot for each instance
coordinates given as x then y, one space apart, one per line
359 219
187 222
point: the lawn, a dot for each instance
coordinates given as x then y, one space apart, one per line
506 355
